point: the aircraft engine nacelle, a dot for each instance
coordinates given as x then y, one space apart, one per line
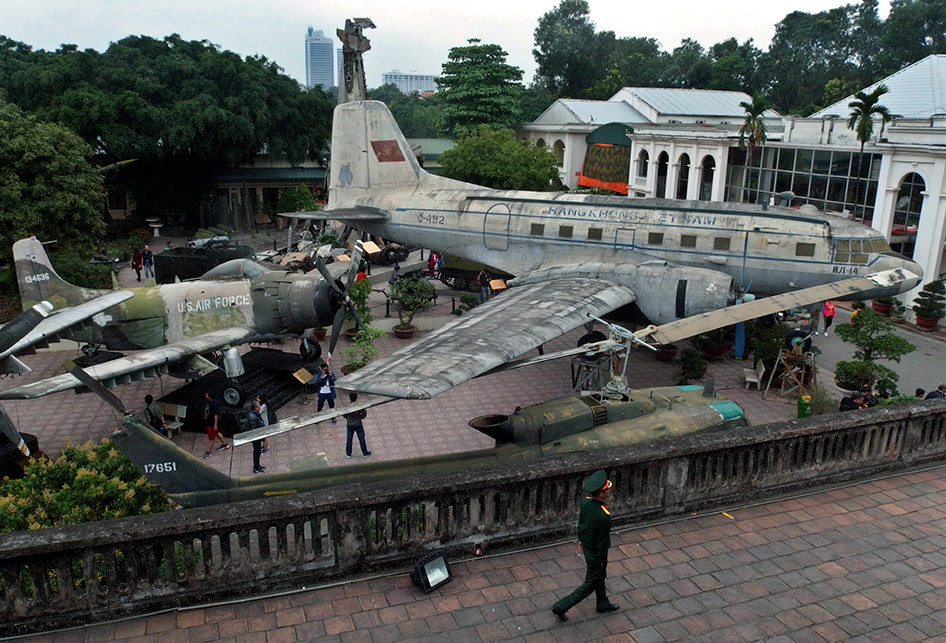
294 303
667 293
549 421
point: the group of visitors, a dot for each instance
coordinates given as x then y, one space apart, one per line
143 260
260 414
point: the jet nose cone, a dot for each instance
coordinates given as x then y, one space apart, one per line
908 275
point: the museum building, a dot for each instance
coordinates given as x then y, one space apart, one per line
684 144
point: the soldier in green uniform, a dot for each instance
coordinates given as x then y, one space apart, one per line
594 539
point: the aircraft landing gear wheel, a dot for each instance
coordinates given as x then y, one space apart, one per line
89 350
798 337
591 338
234 396
310 351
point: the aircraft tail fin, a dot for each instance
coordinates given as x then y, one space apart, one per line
39 281
369 152
175 471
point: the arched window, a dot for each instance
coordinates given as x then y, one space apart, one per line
540 142
642 159
706 180
663 160
558 148
906 214
683 176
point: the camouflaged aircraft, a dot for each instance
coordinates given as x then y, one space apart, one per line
237 302
553 428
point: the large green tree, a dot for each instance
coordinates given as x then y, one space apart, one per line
571 56
182 109
494 158
47 185
417 116
478 87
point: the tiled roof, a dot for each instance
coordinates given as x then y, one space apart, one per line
690 102
917 91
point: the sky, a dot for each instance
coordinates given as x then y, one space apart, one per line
411 35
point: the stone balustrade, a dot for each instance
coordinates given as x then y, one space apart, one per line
64 576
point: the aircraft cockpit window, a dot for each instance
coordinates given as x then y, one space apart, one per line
687 240
594 234
721 243
655 238
852 250
804 249
537 230
565 231
880 245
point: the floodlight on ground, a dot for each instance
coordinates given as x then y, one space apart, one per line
431 571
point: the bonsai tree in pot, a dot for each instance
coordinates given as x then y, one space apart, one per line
412 295
882 304
874 339
362 349
930 305
360 294
692 364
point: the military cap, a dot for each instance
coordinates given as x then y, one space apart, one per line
597 481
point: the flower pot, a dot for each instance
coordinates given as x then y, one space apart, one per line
319 333
350 333
349 368
717 352
666 353
926 323
880 307
404 333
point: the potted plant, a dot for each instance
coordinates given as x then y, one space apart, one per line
360 294
319 332
713 344
362 349
411 295
882 305
666 352
874 339
930 305
692 364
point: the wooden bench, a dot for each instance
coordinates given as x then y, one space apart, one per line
754 375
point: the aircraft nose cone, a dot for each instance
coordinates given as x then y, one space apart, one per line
913 267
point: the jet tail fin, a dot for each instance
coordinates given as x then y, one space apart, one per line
38 280
172 469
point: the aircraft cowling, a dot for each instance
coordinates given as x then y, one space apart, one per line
295 303
668 293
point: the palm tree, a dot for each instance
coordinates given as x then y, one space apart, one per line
753 130
863 110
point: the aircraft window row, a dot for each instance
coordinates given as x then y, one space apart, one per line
804 249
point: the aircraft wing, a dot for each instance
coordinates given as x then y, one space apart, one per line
136 365
362 214
65 318
696 324
492 334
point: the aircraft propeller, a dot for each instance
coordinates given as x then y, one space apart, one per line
348 304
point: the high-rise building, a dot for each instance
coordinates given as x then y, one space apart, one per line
410 83
319 60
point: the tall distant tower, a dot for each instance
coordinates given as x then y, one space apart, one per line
319 60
